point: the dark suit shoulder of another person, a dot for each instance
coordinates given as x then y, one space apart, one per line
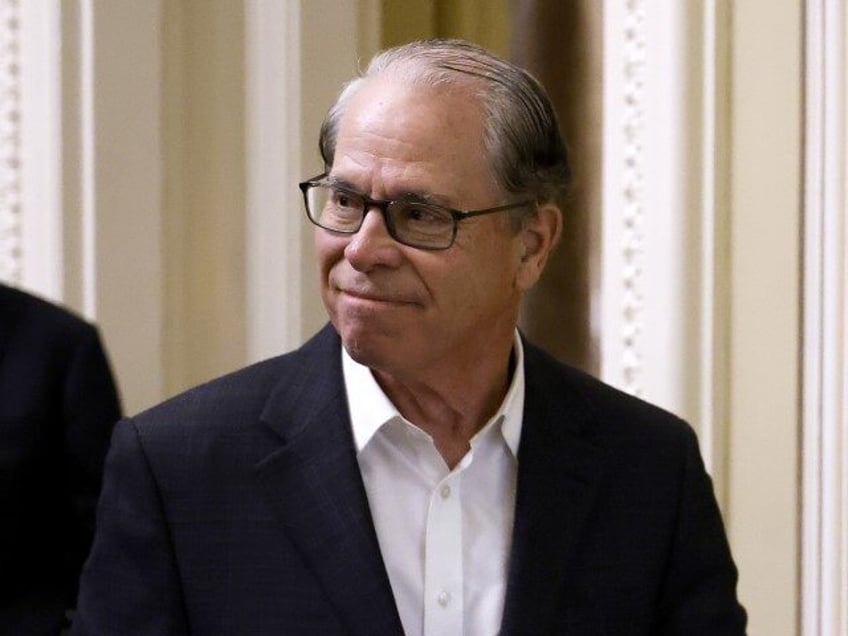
58 404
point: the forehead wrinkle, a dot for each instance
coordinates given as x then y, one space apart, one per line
395 120
387 177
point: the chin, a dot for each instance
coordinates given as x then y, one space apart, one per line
372 349
366 353
360 342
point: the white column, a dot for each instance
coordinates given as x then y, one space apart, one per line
39 251
30 157
274 252
825 365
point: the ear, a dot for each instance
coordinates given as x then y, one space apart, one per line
538 237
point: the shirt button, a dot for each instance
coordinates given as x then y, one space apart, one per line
445 491
443 598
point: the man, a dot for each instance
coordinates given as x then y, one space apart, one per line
416 467
58 404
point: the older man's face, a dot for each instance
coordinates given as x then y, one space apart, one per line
401 310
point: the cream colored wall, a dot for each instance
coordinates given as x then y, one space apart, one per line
765 331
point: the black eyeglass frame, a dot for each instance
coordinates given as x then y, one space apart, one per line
383 205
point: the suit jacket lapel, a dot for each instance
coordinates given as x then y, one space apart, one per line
558 476
314 484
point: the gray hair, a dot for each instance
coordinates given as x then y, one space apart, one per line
520 129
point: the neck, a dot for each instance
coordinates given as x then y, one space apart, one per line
452 405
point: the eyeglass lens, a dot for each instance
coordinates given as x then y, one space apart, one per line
411 222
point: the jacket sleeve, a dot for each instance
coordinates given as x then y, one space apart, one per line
699 592
130 584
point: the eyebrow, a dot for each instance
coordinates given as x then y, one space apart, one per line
340 183
411 195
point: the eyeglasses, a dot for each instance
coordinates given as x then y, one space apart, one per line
415 223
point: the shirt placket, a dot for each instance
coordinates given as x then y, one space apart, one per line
443 563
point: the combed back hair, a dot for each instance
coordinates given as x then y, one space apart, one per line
521 133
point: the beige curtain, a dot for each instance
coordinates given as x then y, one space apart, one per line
560 43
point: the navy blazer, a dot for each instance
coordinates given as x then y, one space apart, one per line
58 404
238 508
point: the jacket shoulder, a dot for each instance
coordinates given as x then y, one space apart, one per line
25 313
238 396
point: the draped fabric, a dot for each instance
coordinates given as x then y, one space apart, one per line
560 43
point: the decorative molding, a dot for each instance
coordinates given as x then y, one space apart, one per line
825 371
633 219
43 107
665 283
628 64
10 143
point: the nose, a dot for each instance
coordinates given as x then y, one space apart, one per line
372 246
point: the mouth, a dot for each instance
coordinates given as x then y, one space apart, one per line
374 298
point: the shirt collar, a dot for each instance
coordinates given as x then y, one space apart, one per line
370 408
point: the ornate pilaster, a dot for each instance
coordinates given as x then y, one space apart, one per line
632 218
10 142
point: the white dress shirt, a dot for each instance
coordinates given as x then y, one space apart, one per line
445 535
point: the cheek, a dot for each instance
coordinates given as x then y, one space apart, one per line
497 260
486 287
329 250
